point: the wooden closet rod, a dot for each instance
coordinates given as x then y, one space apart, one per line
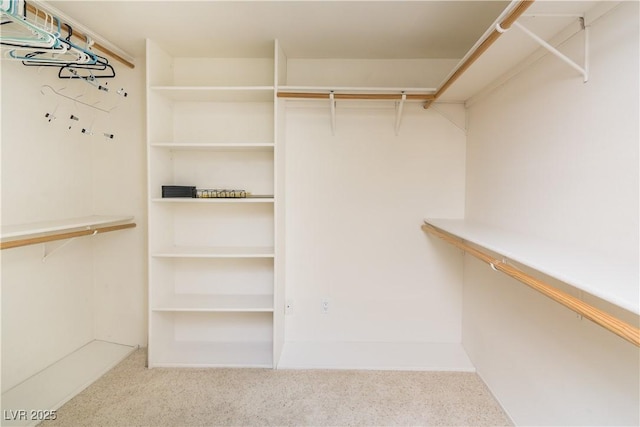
517 11
607 321
96 45
381 96
63 235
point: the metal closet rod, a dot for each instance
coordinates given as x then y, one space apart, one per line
599 317
506 23
96 45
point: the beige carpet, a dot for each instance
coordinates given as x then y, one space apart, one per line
131 395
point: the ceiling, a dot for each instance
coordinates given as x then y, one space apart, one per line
305 29
361 29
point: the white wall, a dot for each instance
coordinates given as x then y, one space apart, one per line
407 73
92 287
355 203
553 157
119 187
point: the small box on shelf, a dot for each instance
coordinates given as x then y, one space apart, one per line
169 191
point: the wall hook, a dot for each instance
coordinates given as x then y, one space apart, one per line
73 118
52 116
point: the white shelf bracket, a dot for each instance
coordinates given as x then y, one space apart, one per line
399 106
54 247
332 106
582 70
57 246
446 116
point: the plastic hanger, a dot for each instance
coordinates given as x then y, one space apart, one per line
74 55
18 32
21 32
42 44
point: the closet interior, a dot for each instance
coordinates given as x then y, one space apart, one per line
248 204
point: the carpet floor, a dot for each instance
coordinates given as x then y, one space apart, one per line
132 395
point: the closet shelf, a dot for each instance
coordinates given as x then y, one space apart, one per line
52 387
223 146
216 93
13 236
216 303
248 199
612 280
214 252
210 354
609 279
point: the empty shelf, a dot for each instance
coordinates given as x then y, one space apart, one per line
216 303
52 387
214 252
610 279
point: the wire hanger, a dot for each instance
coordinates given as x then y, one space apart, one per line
74 99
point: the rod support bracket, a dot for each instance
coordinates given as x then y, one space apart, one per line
332 107
582 70
399 107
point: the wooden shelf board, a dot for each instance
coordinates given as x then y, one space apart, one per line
611 279
216 303
52 387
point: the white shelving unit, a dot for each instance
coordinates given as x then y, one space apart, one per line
211 124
